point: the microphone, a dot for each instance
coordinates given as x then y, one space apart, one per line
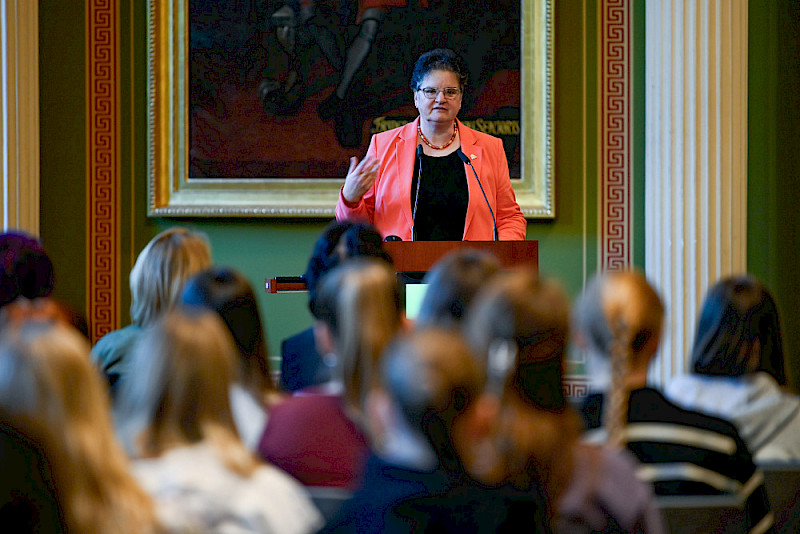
466 160
416 195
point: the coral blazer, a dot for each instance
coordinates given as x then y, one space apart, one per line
387 204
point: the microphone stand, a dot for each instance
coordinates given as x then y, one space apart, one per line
466 160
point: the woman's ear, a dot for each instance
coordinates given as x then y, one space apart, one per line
649 348
641 360
406 324
415 96
754 356
323 338
480 420
579 339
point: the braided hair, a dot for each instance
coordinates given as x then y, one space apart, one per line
618 314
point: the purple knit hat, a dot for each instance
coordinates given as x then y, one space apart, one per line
25 268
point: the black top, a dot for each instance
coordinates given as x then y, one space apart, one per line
443 198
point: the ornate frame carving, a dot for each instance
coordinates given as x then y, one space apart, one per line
172 193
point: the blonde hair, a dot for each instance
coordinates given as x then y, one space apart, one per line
161 269
185 366
521 326
360 303
46 374
618 314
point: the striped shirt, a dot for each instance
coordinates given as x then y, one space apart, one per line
683 452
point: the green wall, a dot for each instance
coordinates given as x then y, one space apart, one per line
773 225
264 247
63 145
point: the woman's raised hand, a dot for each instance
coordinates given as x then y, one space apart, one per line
360 177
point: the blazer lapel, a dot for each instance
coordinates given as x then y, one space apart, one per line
474 153
406 154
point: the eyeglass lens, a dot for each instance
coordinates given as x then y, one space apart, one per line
449 92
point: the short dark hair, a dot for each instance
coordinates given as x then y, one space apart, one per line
737 312
322 258
358 239
439 59
364 240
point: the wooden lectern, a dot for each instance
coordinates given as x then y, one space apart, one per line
420 256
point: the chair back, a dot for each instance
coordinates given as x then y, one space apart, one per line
782 482
328 500
701 514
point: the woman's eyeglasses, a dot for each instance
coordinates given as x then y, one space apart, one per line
449 92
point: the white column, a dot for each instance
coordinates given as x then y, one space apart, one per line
19 114
695 159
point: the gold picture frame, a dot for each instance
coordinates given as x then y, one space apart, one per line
172 193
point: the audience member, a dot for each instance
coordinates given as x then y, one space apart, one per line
156 283
424 417
25 270
737 369
229 294
27 278
317 435
521 326
452 284
301 364
46 376
683 452
176 413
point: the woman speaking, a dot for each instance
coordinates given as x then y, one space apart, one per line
434 178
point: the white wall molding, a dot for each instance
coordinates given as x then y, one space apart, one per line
19 114
695 159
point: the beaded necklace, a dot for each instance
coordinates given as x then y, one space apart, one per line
435 147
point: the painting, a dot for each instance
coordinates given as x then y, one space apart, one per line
257 106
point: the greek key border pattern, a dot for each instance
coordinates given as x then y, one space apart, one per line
576 386
616 172
103 165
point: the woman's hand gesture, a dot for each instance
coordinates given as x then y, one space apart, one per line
360 177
